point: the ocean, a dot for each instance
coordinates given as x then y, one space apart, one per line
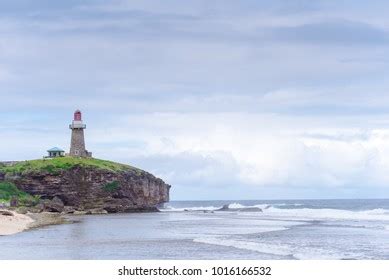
258 229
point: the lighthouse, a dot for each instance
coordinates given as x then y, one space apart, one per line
77 145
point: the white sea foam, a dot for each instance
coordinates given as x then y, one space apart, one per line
281 250
238 230
324 254
233 226
200 208
240 206
272 211
278 249
232 206
260 206
237 206
325 213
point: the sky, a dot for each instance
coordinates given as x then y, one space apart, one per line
246 99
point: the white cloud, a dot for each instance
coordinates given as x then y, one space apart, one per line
205 94
254 149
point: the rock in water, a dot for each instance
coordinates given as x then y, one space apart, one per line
224 208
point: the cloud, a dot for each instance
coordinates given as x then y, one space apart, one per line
332 32
263 151
228 97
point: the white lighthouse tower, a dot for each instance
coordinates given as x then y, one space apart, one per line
77 145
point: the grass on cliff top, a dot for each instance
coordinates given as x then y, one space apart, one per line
64 163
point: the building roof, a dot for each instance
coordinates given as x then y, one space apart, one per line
55 149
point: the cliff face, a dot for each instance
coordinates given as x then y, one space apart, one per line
87 187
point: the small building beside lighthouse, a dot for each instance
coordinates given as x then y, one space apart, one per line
77 144
55 152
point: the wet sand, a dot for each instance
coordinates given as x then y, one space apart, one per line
12 222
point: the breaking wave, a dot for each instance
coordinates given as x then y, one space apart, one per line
231 206
272 211
200 208
275 211
282 250
327 213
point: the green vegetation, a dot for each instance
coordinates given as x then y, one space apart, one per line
111 187
9 191
55 165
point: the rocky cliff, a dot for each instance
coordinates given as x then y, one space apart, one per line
83 184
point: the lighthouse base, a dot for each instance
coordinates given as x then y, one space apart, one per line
77 146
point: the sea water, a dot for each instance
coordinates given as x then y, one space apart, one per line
295 229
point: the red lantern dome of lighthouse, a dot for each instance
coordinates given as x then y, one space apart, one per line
77 115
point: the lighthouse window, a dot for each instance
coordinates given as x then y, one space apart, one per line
77 116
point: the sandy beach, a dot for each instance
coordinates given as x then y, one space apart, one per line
12 222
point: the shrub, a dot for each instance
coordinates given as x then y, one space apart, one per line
111 187
9 190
